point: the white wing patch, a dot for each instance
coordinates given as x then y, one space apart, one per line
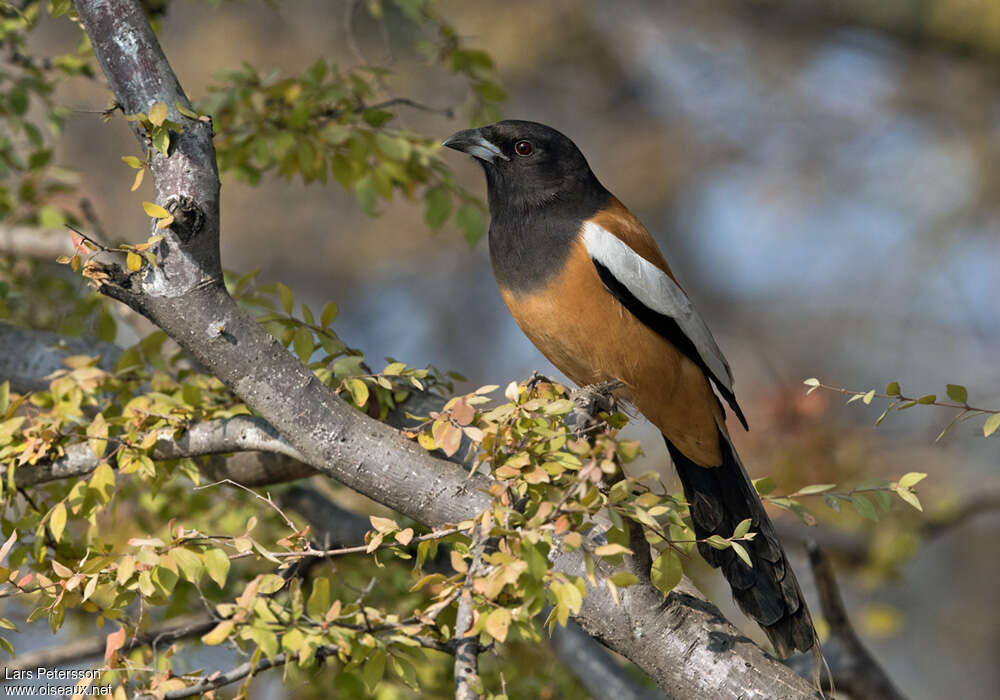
656 290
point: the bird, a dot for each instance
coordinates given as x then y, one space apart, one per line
588 285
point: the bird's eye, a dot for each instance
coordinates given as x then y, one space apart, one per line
523 148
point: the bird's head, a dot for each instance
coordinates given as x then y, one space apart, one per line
527 164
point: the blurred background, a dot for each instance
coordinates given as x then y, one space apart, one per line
823 177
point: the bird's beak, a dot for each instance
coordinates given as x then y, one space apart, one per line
473 142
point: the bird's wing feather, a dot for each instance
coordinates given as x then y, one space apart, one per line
657 300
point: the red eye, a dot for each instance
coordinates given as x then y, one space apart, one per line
523 148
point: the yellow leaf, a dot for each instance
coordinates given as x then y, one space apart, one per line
991 424
155 210
219 633
163 223
497 624
57 521
607 550
133 262
138 179
158 113
383 524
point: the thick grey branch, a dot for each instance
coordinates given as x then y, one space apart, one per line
30 355
682 641
595 668
238 434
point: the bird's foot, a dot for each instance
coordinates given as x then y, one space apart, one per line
590 402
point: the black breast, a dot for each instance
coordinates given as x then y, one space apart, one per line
529 245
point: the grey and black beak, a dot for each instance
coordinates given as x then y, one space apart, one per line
473 142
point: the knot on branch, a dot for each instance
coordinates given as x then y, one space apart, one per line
188 216
108 277
590 402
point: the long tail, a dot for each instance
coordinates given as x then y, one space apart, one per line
720 498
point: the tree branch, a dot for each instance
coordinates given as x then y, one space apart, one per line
29 355
238 434
32 242
857 672
682 641
466 648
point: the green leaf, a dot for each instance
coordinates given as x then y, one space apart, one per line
958 393
764 485
991 424
623 579
358 390
18 101
666 571
366 193
161 139
742 528
718 542
217 564
470 219
132 162
892 388
928 399
319 598
437 206
155 210
57 521
814 488
328 315
742 553
189 113
164 579
864 506
303 343
287 298
374 669
189 563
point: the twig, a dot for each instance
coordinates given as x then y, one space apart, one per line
467 645
900 398
859 675
90 214
856 547
267 499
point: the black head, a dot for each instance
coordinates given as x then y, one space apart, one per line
527 165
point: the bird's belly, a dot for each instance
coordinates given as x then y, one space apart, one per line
591 337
